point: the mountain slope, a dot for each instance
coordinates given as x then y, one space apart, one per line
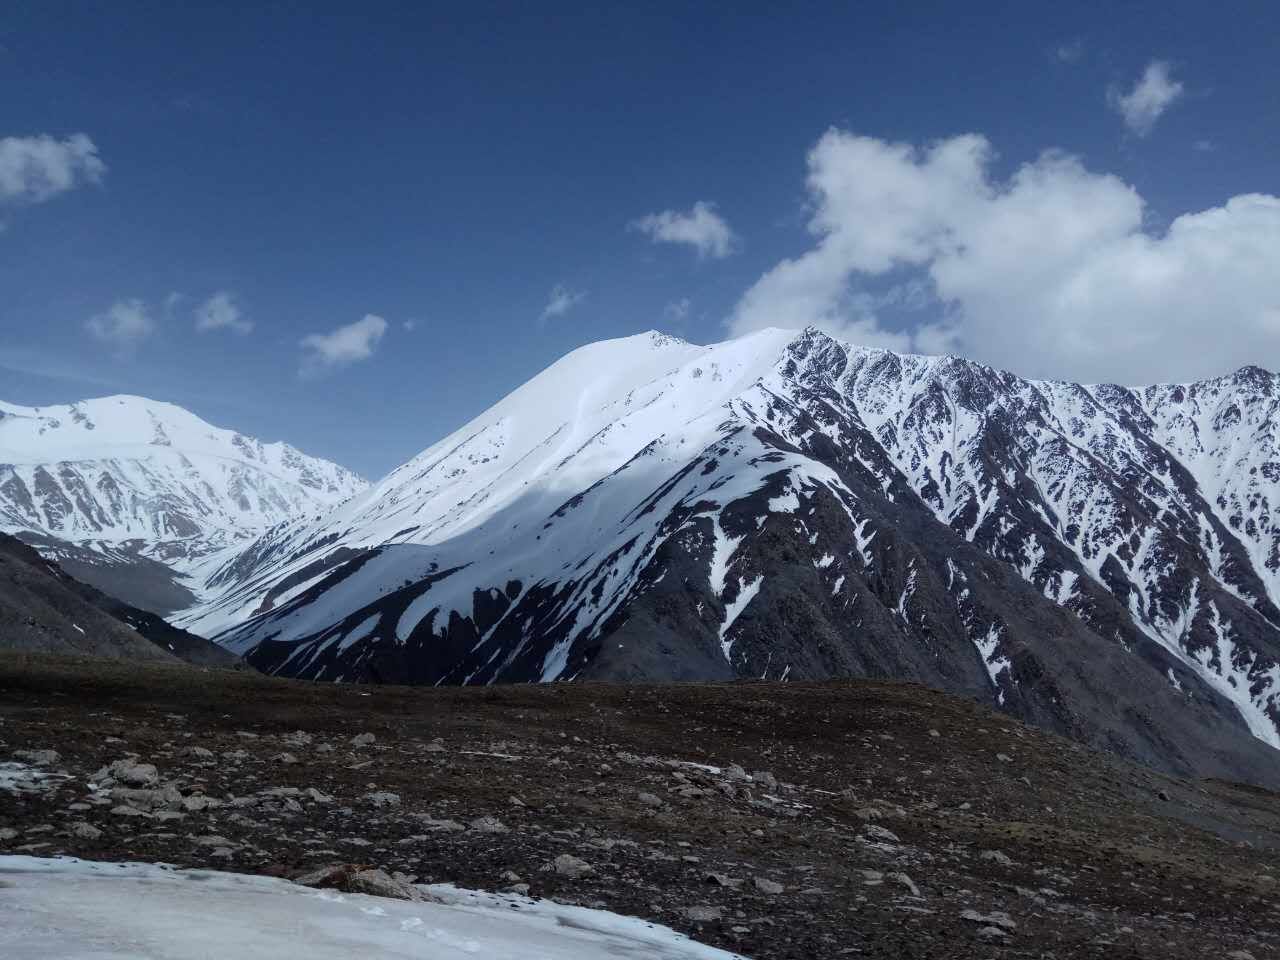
43 610
130 493
1097 560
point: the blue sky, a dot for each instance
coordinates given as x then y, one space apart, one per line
335 171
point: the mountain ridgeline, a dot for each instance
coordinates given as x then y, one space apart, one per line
132 495
1101 561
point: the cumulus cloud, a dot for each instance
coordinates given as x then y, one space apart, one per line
222 312
345 345
1053 272
561 301
123 325
34 169
701 228
1154 93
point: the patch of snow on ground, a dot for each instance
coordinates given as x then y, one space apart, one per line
78 908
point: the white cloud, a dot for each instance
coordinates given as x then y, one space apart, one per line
33 169
410 325
677 311
1150 97
1051 273
345 345
123 325
1069 52
221 312
561 301
701 228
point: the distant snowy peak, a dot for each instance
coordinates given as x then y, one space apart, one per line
127 470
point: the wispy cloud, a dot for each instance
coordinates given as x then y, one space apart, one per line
561 301
34 169
410 325
357 341
700 227
1069 52
1154 93
222 312
123 325
677 311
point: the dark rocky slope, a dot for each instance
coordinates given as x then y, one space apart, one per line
44 610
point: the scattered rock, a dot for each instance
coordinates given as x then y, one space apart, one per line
488 825
874 831
567 865
994 919
903 880
702 914
377 883
383 798
85 831
363 740
996 856
39 758
129 772
765 885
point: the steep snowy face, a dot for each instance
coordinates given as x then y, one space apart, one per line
126 472
1093 559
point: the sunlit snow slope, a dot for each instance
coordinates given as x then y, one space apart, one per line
1098 560
124 480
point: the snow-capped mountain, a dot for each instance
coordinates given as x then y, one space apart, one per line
125 491
1098 560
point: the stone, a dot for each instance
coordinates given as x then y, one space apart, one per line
765 885
39 758
131 773
996 856
198 753
904 881
723 880
383 798
378 883
197 802
649 799
994 919
124 810
488 825
567 865
363 740
874 831
85 831
702 914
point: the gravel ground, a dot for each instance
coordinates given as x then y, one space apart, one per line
805 820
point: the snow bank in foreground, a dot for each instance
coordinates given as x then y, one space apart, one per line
94 911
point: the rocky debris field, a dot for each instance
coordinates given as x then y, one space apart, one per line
805 820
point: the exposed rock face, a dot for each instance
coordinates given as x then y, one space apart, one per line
129 493
44 610
1101 561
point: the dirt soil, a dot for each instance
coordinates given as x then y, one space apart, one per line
805 820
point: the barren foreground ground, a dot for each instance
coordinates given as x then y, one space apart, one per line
806 820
